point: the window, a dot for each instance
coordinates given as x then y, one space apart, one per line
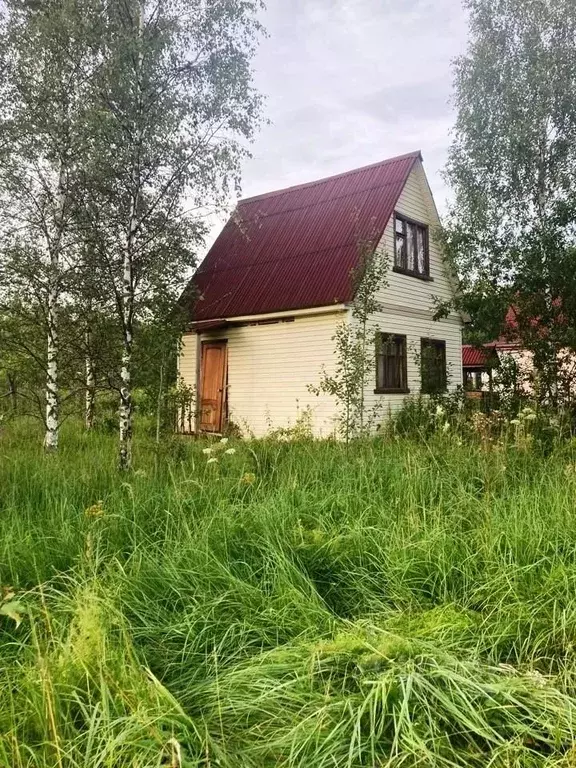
473 380
411 247
391 375
433 366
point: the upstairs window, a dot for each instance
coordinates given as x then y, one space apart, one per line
391 373
412 254
433 366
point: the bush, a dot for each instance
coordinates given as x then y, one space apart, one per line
424 415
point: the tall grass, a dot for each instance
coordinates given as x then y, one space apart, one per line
394 603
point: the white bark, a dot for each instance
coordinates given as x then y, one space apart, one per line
52 415
125 453
90 386
125 457
159 403
52 350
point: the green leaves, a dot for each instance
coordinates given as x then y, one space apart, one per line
354 347
510 231
123 123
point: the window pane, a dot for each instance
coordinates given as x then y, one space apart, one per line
400 251
433 366
411 248
391 363
421 251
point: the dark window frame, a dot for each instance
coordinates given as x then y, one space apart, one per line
382 387
401 260
473 379
442 385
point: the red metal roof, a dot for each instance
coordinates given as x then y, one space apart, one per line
296 248
473 357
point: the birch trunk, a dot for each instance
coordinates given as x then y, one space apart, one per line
90 401
125 453
159 404
52 415
52 391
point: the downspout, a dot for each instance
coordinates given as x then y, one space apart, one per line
198 405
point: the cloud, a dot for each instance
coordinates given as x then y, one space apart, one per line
350 82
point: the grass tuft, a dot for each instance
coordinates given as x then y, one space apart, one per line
295 605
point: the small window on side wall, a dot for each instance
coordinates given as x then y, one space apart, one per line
391 368
411 251
433 366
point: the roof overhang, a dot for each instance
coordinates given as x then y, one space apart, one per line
199 326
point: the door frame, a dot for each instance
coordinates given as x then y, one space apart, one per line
203 343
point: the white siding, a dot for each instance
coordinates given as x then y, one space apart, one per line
407 301
406 291
269 369
415 329
187 360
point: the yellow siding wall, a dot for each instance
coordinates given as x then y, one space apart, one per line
407 302
269 370
409 292
416 328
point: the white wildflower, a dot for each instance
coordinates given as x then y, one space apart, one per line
530 417
212 461
515 422
446 427
439 410
224 440
230 452
207 451
537 678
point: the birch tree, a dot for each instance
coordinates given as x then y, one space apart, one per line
47 65
174 110
512 228
355 342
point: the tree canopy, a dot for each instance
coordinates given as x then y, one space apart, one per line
122 122
512 163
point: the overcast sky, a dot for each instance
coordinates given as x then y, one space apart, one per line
351 82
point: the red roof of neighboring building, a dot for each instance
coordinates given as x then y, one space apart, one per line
473 357
511 324
296 248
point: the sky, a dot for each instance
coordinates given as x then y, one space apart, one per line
352 82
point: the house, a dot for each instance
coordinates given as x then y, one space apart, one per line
266 301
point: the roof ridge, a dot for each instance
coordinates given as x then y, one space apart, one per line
416 154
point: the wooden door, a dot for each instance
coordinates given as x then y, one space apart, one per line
213 386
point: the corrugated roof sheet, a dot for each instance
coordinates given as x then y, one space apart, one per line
473 357
296 248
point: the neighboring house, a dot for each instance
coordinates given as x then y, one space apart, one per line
508 351
266 301
478 364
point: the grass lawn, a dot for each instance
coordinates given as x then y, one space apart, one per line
396 604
